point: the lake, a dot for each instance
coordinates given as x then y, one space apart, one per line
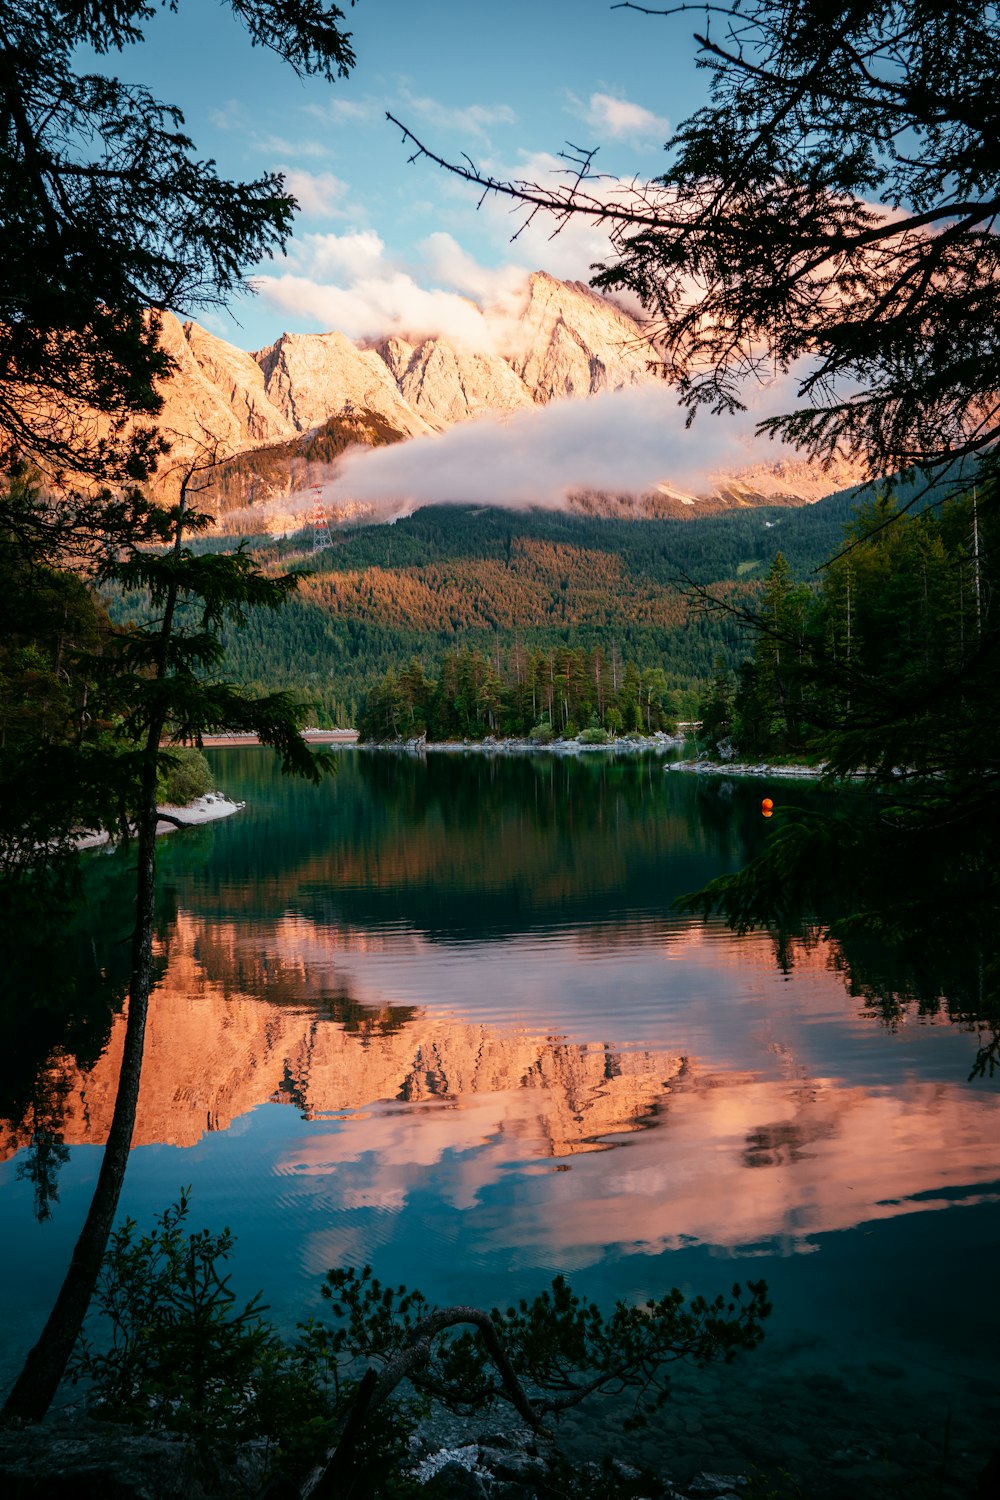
439 1015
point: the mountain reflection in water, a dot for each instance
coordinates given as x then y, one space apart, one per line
439 1016
312 1018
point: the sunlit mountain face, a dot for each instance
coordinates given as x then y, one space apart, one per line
439 1016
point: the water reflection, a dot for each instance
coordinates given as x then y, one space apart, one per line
440 1016
752 1129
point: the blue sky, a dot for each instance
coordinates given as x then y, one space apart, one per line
509 84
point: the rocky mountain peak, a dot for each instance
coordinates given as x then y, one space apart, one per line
565 341
559 341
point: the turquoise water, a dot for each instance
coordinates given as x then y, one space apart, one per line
439 1015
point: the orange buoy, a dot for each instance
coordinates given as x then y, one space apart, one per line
766 806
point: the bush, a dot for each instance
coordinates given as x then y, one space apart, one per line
542 733
594 737
185 1357
186 775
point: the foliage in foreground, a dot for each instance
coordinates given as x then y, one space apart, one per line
178 1352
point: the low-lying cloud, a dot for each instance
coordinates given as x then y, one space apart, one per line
623 442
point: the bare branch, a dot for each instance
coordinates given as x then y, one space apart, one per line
324 1483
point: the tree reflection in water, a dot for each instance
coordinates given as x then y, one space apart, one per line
907 894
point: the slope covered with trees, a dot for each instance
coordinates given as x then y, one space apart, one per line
450 578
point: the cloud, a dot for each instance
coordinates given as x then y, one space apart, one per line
468 120
233 115
567 251
279 146
624 442
346 111
377 305
623 120
447 263
346 282
358 253
319 194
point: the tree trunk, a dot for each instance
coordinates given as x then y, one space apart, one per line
45 1366
337 1475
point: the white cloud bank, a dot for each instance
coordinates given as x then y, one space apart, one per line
623 442
347 282
319 194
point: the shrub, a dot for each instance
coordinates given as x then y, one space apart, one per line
185 1357
186 775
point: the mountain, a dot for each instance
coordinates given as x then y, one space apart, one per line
299 402
561 340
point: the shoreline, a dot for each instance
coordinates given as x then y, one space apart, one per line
207 809
746 768
311 737
658 743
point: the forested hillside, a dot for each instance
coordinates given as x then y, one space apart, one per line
500 581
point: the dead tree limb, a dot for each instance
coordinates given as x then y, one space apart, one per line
332 1478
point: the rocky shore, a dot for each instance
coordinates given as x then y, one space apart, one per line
207 809
624 744
87 1460
91 1460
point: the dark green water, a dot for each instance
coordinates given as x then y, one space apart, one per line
438 1015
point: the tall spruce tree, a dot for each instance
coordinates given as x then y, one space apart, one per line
110 219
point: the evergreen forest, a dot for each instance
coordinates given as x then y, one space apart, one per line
511 584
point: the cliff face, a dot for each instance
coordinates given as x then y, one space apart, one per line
216 393
571 342
560 341
563 341
312 377
448 385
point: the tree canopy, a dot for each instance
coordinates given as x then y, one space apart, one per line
830 214
110 217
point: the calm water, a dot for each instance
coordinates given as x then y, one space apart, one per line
439 1016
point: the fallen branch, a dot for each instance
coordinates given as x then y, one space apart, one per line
332 1477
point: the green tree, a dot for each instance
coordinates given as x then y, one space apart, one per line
156 679
186 775
109 219
184 1356
778 658
831 213
900 689
716 708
